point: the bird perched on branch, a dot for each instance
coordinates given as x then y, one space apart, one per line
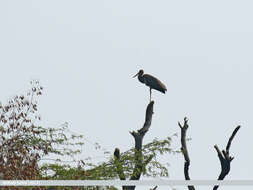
151 81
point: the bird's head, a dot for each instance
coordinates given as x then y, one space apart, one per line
139 73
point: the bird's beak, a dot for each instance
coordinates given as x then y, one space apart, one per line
135 75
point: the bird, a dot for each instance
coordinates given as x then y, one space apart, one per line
151 81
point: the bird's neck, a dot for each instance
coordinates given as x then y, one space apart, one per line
141 79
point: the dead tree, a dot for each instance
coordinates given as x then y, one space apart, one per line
185 151
224 156
140 163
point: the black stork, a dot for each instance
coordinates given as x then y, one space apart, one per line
151 81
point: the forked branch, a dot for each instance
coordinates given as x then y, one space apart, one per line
184 150
225 158
138 137
140 163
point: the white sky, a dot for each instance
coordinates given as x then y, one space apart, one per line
86 52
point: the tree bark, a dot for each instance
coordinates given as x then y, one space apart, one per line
185 151
138 138
118 164
225 158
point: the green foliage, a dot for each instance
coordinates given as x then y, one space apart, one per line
24 143
152 149
107 169
37 152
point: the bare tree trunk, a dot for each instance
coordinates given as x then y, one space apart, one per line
139 162
225 158
185 151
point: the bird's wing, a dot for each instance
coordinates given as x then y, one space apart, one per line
154 83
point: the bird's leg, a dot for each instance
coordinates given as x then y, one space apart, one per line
150 94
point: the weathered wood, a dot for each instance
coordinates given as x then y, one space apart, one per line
185 151
225 158
118 164
119 167
138 137
139 162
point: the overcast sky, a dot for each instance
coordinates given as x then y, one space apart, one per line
85 53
